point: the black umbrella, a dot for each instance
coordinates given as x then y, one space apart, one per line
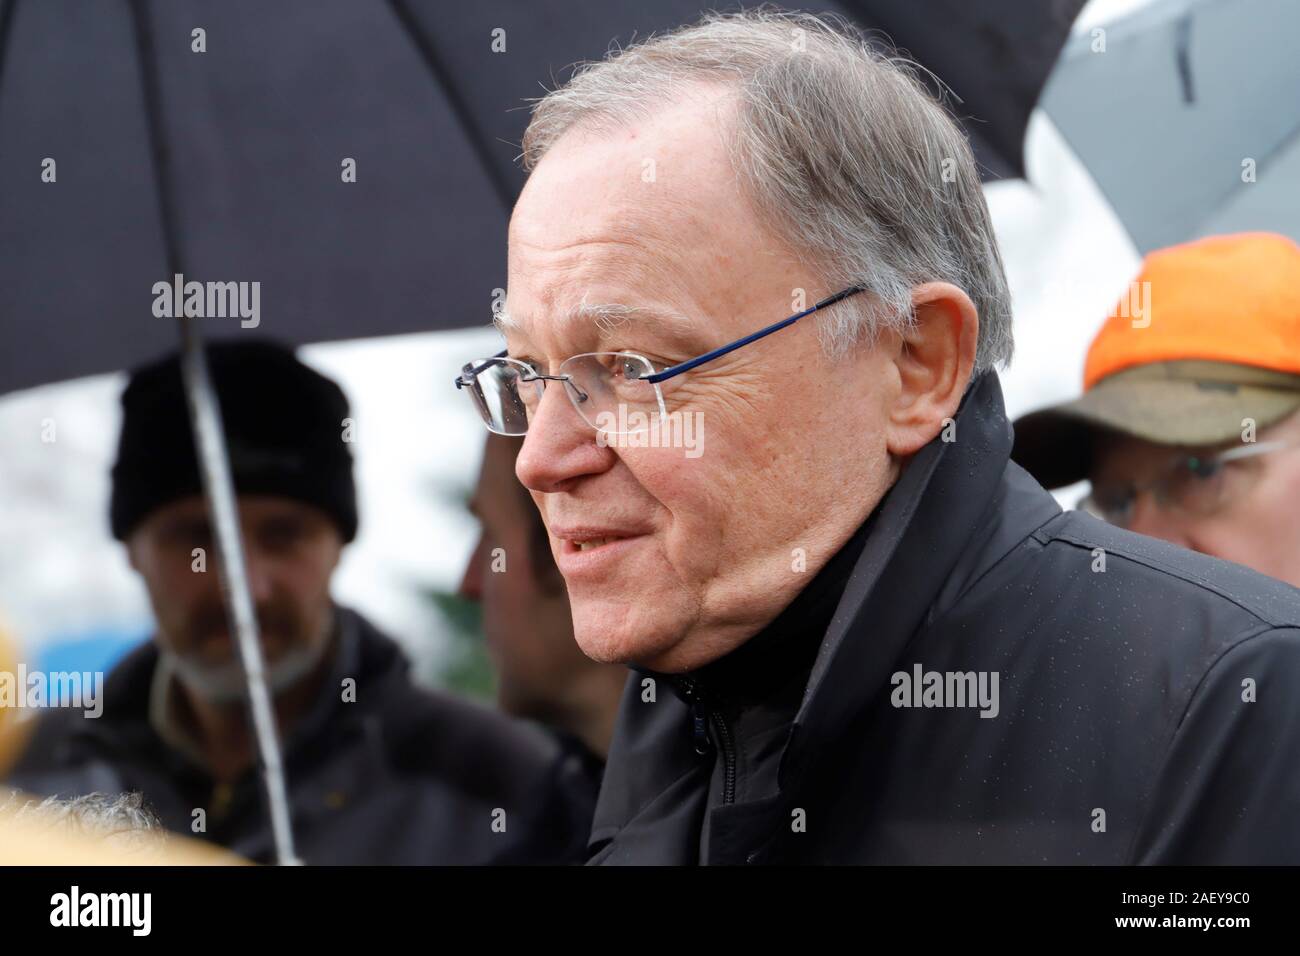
1188 117
228 165
326 169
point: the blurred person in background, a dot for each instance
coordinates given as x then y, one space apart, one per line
378 770
541 672
1189 425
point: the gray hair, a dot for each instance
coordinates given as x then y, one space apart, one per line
119 818
841 149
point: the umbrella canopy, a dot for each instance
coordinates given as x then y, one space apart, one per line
1188 117
146 139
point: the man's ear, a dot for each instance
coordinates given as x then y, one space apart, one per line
933 364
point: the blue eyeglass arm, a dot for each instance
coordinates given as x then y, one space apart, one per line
460 379
752 337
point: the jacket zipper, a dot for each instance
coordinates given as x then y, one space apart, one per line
729 758
701 717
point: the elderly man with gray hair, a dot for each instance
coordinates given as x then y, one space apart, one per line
856 631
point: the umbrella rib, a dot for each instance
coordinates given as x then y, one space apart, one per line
459 107
7 8
153 123
1183 56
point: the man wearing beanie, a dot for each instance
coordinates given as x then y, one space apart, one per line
378 770
1189 425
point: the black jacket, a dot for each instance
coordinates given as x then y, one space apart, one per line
1147 706
400 775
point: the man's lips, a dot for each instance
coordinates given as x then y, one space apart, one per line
587 549
576 537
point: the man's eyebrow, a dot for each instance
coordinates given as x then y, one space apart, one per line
502 321
185 524
610 316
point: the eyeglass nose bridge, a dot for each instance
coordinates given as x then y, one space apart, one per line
1155 494
577 393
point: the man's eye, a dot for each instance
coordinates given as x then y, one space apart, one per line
280 535
191 534
635 363
1203 467
1113 498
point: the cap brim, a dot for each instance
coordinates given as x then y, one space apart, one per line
1055 444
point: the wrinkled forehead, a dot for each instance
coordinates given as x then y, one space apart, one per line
644 272
591 232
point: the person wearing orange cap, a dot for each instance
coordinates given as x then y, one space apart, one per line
1189 425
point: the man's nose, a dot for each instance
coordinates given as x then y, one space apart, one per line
559 445
471 582
1151 519
260 571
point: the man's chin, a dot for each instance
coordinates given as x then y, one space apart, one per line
216 682
611 635
219 677
218 652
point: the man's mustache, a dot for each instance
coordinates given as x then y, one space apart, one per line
210 621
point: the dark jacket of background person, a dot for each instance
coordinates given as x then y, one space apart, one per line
402 775
1122 735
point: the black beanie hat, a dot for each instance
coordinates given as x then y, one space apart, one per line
283 424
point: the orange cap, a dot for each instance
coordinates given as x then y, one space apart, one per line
1229 299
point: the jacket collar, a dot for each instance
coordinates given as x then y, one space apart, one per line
922 552
784 649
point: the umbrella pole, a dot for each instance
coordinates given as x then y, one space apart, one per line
214 463
214 466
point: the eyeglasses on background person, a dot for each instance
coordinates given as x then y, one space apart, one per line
1192 484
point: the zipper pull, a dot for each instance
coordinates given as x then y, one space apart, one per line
700 727
694 695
